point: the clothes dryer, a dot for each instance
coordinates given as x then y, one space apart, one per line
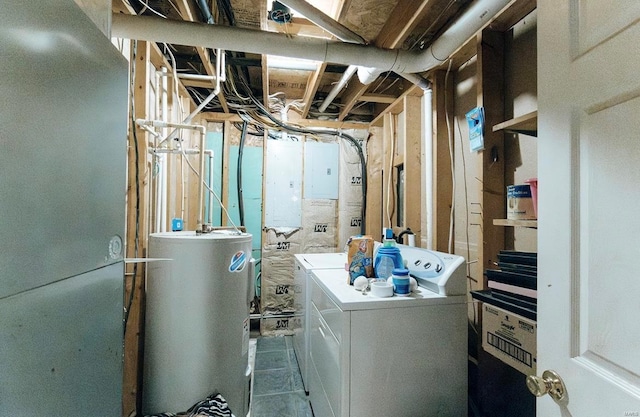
303 265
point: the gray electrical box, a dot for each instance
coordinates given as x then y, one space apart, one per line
321 170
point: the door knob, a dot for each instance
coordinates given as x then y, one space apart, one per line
550 383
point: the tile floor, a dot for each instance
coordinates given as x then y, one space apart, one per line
277 385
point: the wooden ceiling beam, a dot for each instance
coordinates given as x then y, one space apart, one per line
196 83
315 78
121 6
187 14
397 106
355 89
265 82
503 21
398 26
343 9
159 61
224 117
156 57
312 87
378 98
299 27
394 32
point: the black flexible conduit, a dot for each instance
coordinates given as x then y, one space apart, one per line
239 175
206 12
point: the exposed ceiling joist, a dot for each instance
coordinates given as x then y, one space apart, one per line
312 88
401 30
377 98
203 53
403 20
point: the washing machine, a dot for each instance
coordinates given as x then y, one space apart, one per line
303 265
401 356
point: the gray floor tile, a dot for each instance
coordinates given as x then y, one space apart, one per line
277 359
272 381
265 344
281 405
292 358
296 381
277 384
289 341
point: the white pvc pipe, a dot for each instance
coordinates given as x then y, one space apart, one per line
174 151
203 133
151 131
336 29
248 40
183 185
338 87
197 77
164 181
284 117
221 61
392 142
203 139
161 123
209 152
165 94
219 71
157 199
427 122
478 15
219 78
163 194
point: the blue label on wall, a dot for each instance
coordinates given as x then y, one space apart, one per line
238 261
519 191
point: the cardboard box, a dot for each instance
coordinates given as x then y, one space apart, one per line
520 202
510 338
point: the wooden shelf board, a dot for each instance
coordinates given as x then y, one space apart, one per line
527 124
519 223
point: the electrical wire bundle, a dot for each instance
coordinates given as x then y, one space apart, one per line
262 118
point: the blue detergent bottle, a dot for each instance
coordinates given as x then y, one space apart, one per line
387 259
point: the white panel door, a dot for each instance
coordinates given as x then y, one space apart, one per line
283 184
321 170
589 205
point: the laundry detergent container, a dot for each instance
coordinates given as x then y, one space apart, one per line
386 260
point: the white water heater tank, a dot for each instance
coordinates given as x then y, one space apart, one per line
196 336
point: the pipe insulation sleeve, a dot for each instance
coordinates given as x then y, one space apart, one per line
477 16
185 33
